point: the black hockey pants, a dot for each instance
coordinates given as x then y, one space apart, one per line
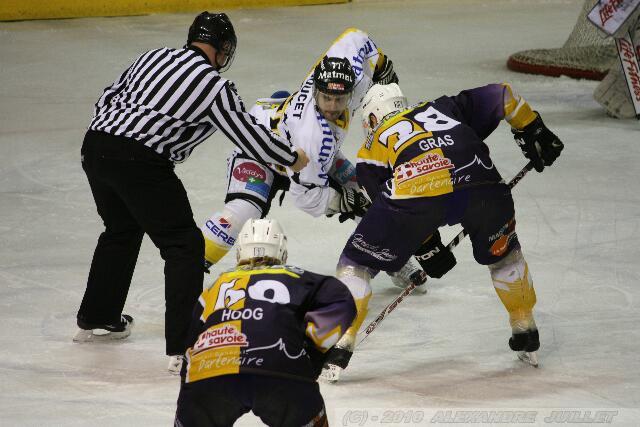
279 402
136 191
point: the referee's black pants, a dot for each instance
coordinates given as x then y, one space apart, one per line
137 191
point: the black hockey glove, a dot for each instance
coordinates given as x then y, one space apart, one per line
349 203
538 143
434 257
345 217
353 202
385 74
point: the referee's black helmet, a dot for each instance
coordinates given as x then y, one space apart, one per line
216 30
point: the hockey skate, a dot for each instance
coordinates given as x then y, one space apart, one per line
175 364
410 273
93 332
526 345
336 361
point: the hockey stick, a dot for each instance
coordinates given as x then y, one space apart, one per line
455 242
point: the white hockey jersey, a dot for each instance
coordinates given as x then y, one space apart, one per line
299 120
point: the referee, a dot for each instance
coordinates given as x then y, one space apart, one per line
153 116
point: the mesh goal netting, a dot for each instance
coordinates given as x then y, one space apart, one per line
585 54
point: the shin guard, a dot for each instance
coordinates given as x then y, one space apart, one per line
514 286
357 280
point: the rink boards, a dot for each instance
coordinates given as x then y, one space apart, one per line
15 10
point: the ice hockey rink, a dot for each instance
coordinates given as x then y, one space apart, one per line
441 358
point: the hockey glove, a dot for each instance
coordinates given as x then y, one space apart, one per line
349 203
354 201
434 257
385 73
538 143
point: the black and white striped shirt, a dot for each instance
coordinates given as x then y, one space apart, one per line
173 99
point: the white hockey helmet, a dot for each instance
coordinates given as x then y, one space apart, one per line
262 238
380 102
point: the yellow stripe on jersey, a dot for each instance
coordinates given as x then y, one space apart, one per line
344 34
344 120
326 341
426 175
227 292
379 151
280 108
517 111
277 117
391 138
380 62
267 270
230 284
217 351
217 358
340 37
375 155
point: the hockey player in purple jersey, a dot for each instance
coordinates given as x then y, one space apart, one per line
427 166
259 336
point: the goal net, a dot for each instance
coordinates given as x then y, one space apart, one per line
585 55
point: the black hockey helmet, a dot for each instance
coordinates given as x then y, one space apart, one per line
216 30
334 76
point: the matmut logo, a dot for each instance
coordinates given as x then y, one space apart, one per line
432 162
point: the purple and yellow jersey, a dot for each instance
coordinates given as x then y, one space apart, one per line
437 147
266 320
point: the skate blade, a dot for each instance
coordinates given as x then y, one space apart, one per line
330 373
97 335
529 357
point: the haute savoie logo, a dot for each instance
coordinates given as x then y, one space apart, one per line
218 337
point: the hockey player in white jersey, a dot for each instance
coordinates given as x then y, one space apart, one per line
315 118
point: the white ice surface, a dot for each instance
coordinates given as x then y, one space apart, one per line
578 222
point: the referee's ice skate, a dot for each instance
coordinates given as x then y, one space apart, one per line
103 332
